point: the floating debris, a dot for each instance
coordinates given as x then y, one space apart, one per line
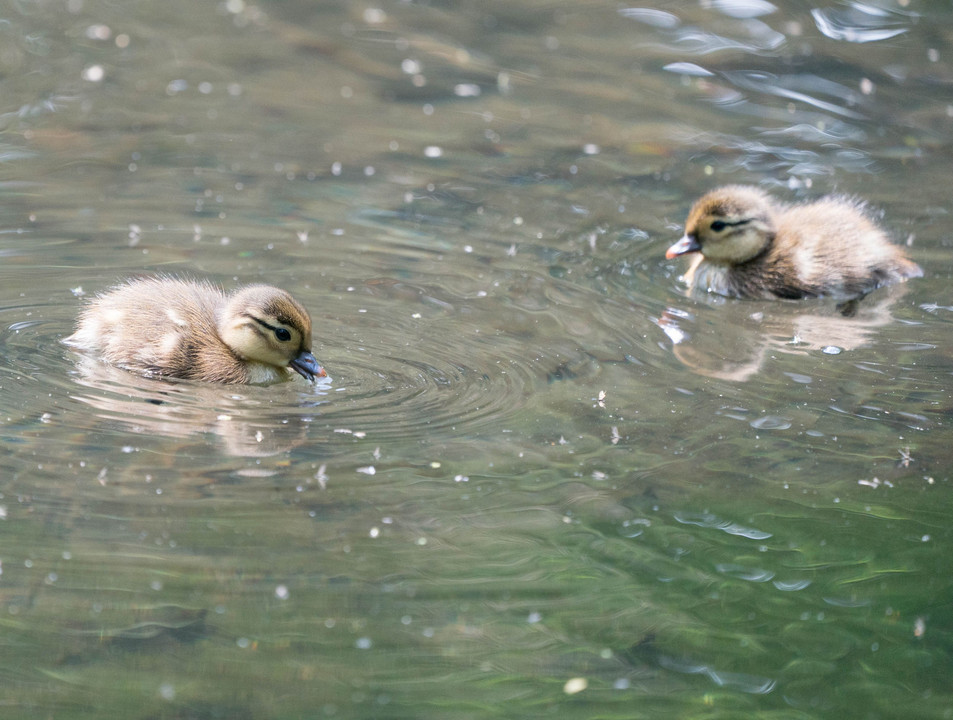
575 685
905 457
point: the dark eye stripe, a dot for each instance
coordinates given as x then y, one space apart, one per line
268 326
736 223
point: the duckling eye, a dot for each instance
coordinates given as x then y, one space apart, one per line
718 225
282 334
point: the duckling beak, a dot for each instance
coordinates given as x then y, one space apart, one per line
688 244
306 365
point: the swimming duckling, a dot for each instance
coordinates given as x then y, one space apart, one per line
185 329
750 246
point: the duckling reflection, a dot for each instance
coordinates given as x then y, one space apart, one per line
748 245
167 327
746 336
242 418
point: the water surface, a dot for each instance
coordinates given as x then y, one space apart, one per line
540 479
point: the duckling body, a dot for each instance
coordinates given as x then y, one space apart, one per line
749 245
170 327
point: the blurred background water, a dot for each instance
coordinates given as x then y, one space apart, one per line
540 479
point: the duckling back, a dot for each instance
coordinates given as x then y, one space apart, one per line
834 248
152 325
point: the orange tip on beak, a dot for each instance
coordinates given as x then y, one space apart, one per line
687 244
306 365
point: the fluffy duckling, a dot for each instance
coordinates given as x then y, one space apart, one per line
751 246
185 329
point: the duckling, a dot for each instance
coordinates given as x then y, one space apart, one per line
750 246
169 327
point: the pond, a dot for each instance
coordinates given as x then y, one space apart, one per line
541 478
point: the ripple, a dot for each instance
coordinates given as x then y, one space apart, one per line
833 131
708 520
29 347
752 155
791 586
770 422
742 9
740 681
859 23
801 88
467 365
741 572
800 378
687 68
696 41
389 390
407 361
848 602
934 308
649 16
635 528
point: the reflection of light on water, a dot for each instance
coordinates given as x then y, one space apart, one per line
771 422
933 307
793 586
687 68
250 422
859 23
742 9
742 572
731 342
709 520
654 18
739 681
802 88
674 332
761 37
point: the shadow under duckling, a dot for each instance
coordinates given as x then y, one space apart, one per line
750 246
168 327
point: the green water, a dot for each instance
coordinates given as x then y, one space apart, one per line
541 481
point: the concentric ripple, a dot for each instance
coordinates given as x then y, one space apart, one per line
435 361
406 362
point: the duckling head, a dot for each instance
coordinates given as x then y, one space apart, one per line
262 324
730 226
